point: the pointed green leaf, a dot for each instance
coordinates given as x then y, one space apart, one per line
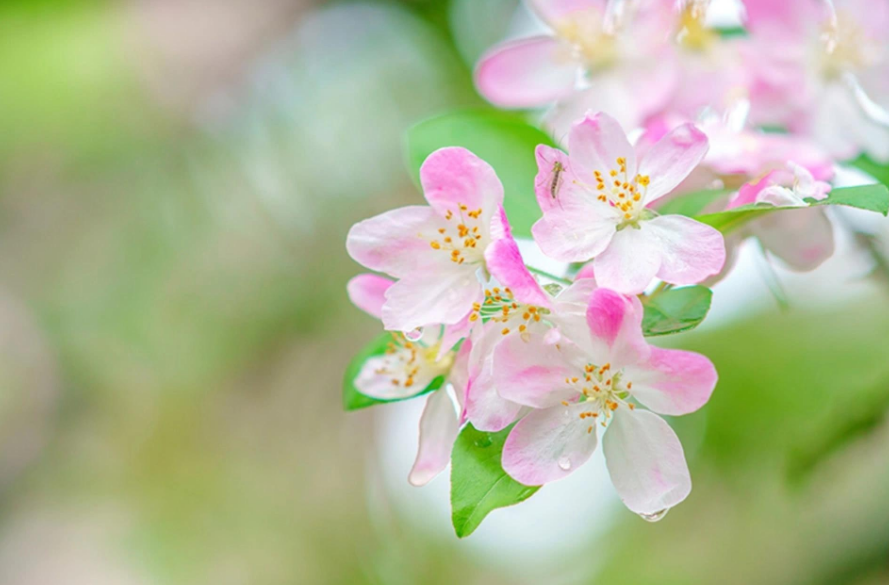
355 400
505 141
675 310
867 197
878 171
478 483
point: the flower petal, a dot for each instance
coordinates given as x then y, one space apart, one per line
615 326
557 12
526 73
376 378
576 229
672 381
533 372
672 159
443 296
553 176
595 143
453 176
630 262
389 242
801 238
504 262
438 430
549 444
368 293
485 409
646 461
690 250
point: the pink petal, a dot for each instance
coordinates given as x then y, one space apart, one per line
553 176
391 242
368 293
646 461
438 430
802 238
442 296
454 333
672 159
453 176
672 381
504 262
595 144
485 409
556 12
690 250
526 73
549 444
576 229
783 19
533 372
616 321
630 262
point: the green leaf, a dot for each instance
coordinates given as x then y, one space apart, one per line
867 197
675 310
355 400
505 141
478 483
876 170
692 204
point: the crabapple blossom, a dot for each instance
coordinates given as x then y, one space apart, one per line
441 253
597 381
406 369
595 205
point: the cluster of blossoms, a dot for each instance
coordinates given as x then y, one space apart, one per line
557 362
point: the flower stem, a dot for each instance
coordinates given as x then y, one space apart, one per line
546 274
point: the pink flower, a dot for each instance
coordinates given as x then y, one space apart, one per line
406 369
485 408
598 56
441 253
822 71
595 205
597 382
802 239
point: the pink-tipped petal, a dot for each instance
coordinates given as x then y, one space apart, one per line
672 159
595 143
504 262
392 242
549 444
485 409
444 296
438 430
672 381
533 372
630 262
454 176
645 461
368 293
615 326
801 238
527 73
576 229
690 250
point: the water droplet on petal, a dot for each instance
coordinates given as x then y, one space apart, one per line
414 335
655 516
564 463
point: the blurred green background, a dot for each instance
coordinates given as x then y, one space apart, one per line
177 178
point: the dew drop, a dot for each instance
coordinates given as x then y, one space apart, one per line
656 516
483 442
414 335
564 463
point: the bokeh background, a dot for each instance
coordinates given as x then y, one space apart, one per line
177 178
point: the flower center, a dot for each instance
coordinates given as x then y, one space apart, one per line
461 236
501 307
589 40
405 361
603 389
846 47
618 190
694 34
